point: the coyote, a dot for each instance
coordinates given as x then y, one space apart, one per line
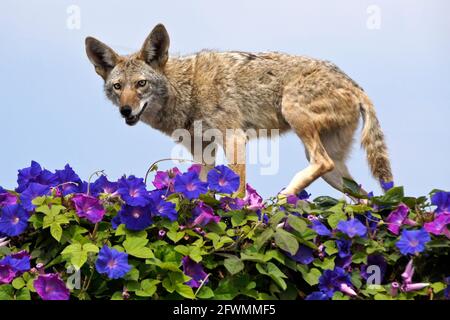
241 90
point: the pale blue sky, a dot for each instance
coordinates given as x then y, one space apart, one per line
53 109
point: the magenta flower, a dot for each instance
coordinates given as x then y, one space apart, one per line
197 168
7 198
51 287
88 207
397 218
252 199
7 274
439 225
165 179
195 271
204 214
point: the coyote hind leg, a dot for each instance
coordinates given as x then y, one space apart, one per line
320 162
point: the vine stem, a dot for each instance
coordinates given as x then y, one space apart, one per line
201 284
167 159
90 178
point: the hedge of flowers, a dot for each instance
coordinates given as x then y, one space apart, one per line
63 238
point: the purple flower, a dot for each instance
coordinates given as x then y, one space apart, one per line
133 191
386 185
14 220
439 225
335 280
7 198
88 207
103 185
197 168
352 228
409 272
317 295
195 271
51 287
66 176
34 173
228 203
113 263
320 228
222 179
7 274
252 199
413 241
136 218
344 247
165 179
19 262
162 207
33 191
397 218
441 200
204 214
304 255
190 185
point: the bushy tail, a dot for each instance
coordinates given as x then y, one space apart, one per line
374 144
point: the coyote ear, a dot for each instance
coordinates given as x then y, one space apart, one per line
101 56
155 50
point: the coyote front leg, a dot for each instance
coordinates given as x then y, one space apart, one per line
235 151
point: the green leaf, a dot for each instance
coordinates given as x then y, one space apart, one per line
297 224
18 283
89 247
265 236
148 288
276 218
340 296
233 264
175 236
337 216
359 257
330 247
6 292
205 293
56 231
286 241
327 263
271 270
185 291
310 276
23 294
353 189
438 286
238 218
136 247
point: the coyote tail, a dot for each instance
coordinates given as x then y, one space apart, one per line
373 142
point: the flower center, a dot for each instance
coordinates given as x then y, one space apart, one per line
190 187
136 214
414 243
112 263
222 182
15 220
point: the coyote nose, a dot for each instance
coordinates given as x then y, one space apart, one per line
125 111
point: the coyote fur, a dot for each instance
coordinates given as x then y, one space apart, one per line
241 90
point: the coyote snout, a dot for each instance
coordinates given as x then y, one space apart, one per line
244 91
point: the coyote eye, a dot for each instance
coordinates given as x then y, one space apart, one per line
142 83
117 86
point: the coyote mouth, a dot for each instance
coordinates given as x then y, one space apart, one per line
132 120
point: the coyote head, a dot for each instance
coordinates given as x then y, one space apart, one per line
135 83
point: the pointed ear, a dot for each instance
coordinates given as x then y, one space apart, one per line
101 56
155 50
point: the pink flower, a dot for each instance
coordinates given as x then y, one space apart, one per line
409 272
252 199
414 286
439 225
88 207
397 218
164 179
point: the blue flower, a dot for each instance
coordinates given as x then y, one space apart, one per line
19 262
386 185
103 185
333 280
352 228
136 218
68 175
14 220
35 174
222 179
317 295
113 263
344 247
33 191
190 185
132 190
413 241
441 199
320 228
304 255
161 207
